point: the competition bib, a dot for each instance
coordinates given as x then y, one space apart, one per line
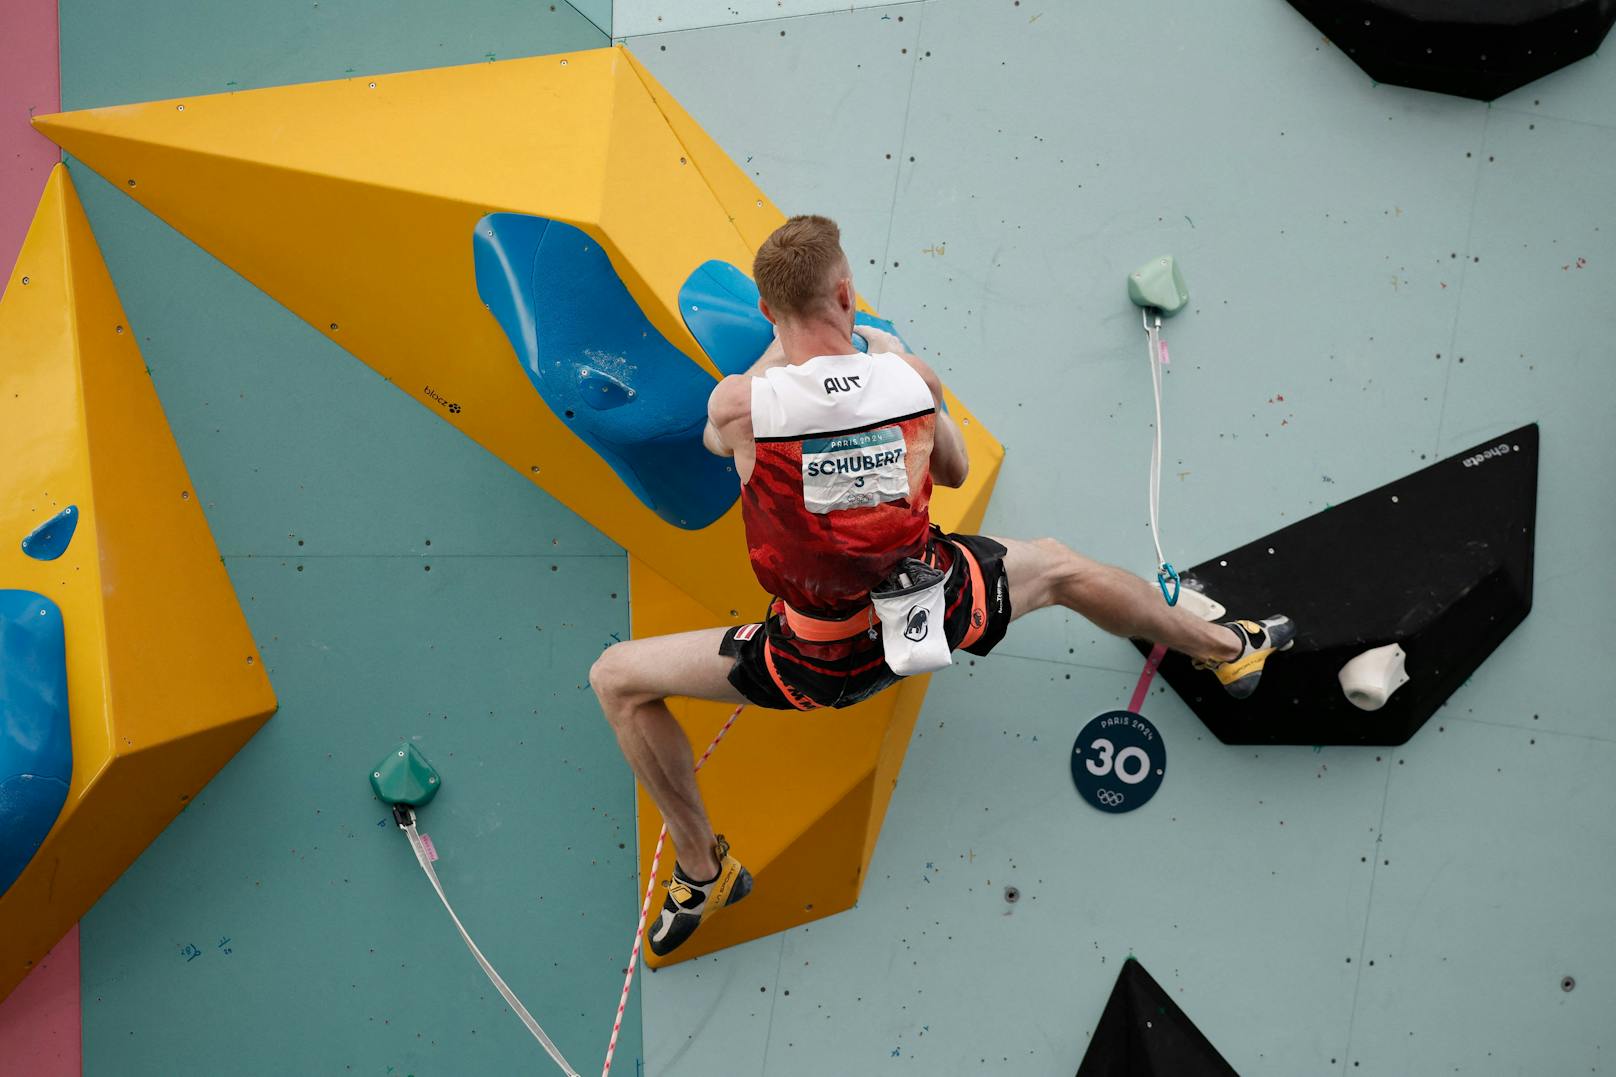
851 471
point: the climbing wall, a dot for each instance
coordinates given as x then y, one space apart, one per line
1379 277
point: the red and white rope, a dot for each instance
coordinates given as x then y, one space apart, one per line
645 909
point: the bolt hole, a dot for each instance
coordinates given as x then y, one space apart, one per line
1012 895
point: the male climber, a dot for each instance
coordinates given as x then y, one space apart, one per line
837 452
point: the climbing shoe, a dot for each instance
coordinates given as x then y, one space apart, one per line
1259 640
690 902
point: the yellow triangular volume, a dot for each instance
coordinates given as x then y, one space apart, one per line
164 683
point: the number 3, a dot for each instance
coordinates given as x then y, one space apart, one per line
1102 766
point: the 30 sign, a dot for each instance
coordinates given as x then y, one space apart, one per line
1118 761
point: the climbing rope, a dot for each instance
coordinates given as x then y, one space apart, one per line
1157 348
645 907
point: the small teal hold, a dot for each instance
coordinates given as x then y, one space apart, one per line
49 540
405 777
1159 284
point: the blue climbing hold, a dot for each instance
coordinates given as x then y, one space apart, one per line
36 743
719 304
601 366
49 540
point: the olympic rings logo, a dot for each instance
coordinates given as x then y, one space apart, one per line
1109 798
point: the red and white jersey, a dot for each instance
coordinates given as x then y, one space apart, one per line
840 491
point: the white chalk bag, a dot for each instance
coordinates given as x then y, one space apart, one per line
910 603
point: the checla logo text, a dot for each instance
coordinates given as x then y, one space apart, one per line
1501 449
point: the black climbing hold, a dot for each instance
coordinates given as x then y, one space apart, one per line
1439 562
1475 48
1143 1033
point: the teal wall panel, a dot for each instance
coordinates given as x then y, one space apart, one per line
1330 230
340 955
1533 343
598 12
113 53
402 583
634 18
862 116
1490 888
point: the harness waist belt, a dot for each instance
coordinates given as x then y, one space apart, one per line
819 630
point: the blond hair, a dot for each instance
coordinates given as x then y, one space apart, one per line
799 264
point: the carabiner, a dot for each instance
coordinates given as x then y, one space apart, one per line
1163 575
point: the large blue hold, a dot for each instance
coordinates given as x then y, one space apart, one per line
601 366
36 742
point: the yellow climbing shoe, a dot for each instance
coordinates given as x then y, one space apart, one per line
690 902
1259 640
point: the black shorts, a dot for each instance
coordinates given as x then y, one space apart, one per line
775 668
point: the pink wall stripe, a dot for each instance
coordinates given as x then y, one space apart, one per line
30 84
40 1020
